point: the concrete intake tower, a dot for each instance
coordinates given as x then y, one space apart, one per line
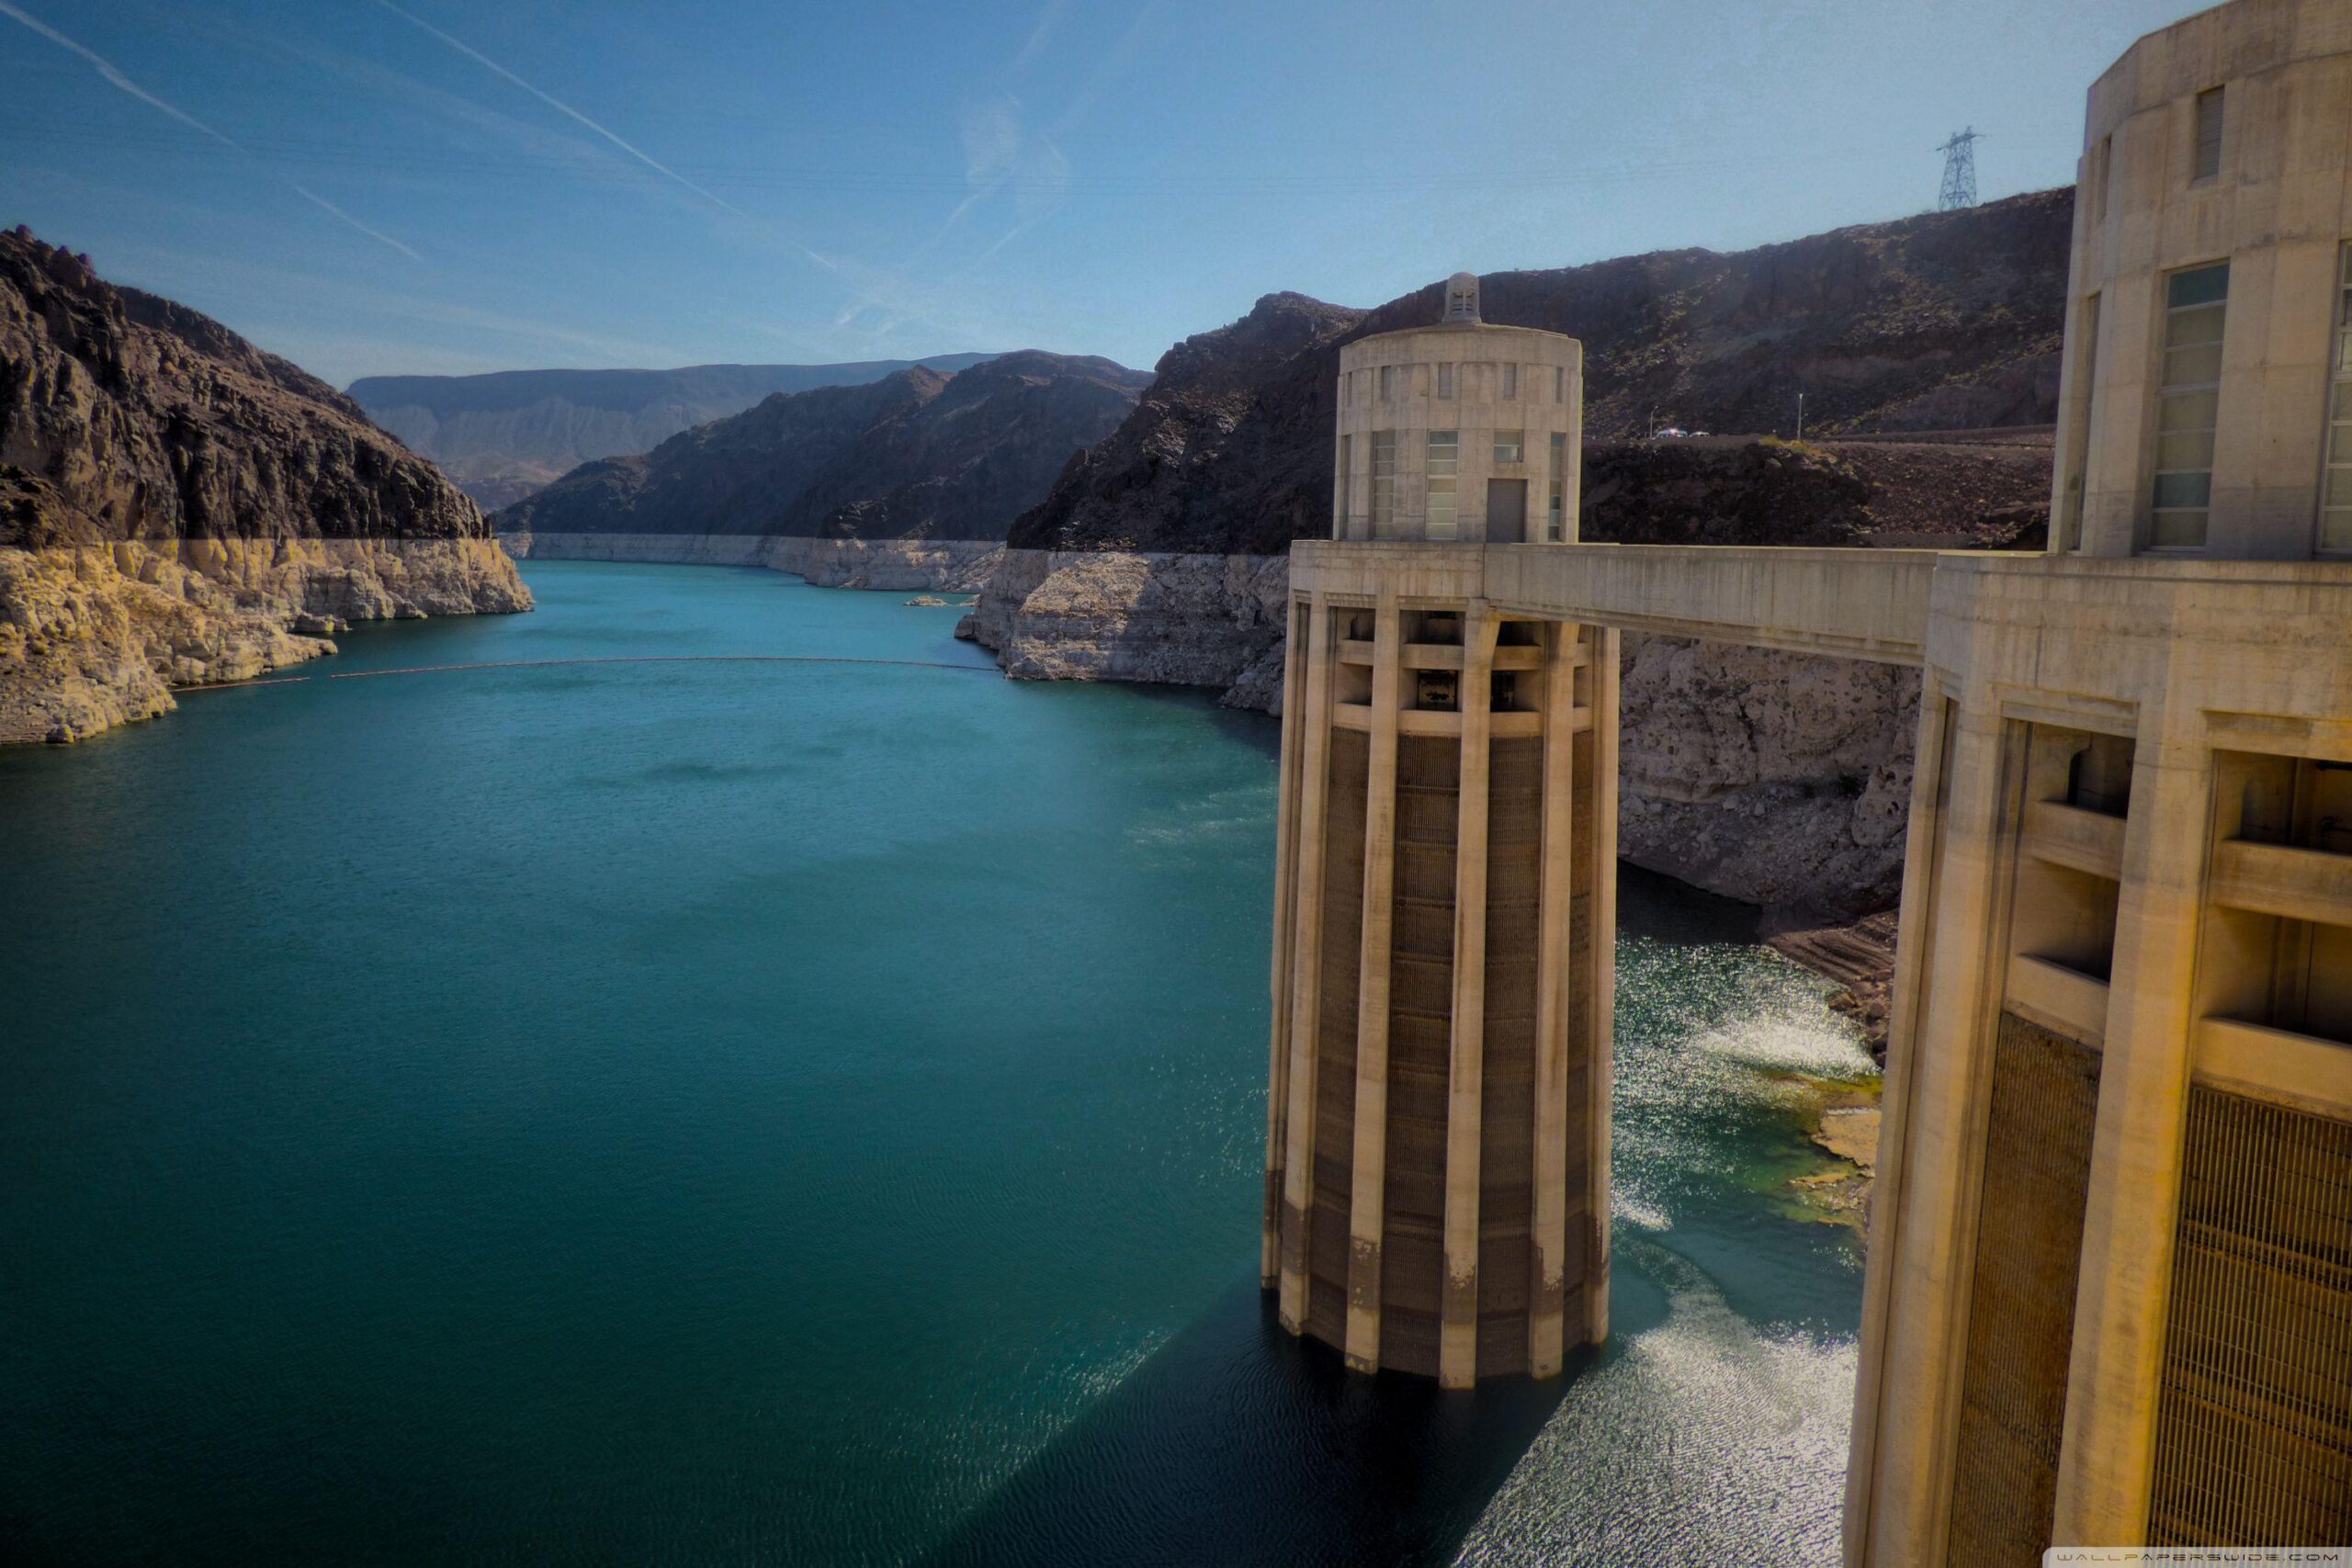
2107 1299
1437 1178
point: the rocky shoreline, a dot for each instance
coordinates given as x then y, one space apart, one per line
179 508
92 637
1157 617
954 566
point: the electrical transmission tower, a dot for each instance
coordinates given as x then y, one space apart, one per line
1960 171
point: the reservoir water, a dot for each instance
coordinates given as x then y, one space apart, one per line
716 1112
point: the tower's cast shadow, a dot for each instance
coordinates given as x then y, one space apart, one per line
1235 1443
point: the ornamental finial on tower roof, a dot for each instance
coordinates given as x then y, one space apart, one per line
1462 297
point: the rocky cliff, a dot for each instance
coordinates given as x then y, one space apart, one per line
178 507
1159 617
503 436
919 454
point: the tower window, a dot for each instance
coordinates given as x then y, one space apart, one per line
1387 383
2078 440
2209 135
2335 498
1340 519
1511 380
1560 385
1444 468
1446 380
1510 446
2188 405
1383 484
1555 504
2105 176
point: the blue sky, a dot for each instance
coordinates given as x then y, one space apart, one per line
500 183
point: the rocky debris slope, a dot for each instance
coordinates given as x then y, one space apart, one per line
1859 956
917 454
177 507
505 435
1880 494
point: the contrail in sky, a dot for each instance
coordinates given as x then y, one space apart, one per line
643 157
114 77
478 58
347 217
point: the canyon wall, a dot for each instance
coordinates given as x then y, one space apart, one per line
1777 779
1175 619
177 507
954 566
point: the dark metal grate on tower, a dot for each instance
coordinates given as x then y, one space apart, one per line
2021 1306
1335 1080
1506 1153
2254 1431
1420 1015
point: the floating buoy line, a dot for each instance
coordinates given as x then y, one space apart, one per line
617 658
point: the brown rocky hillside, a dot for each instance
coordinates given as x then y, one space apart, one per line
178 506
1939 322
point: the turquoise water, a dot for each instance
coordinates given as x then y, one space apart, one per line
765 1113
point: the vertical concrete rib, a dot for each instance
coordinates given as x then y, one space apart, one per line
1369 1189
2131 1217
1944 1143
1307 963
1465 1079
1912 979
1602 1061
1547 1281
1270 1248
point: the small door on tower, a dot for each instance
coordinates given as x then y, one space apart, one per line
1505 512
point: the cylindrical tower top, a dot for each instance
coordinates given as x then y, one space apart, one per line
1459 432
2207 405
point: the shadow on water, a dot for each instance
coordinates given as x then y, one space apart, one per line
1662 909
1235 1443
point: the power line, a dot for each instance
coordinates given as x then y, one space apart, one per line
1960 171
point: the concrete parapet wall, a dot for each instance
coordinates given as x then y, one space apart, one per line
1852 604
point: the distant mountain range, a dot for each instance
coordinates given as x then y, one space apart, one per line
920 454
503 435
